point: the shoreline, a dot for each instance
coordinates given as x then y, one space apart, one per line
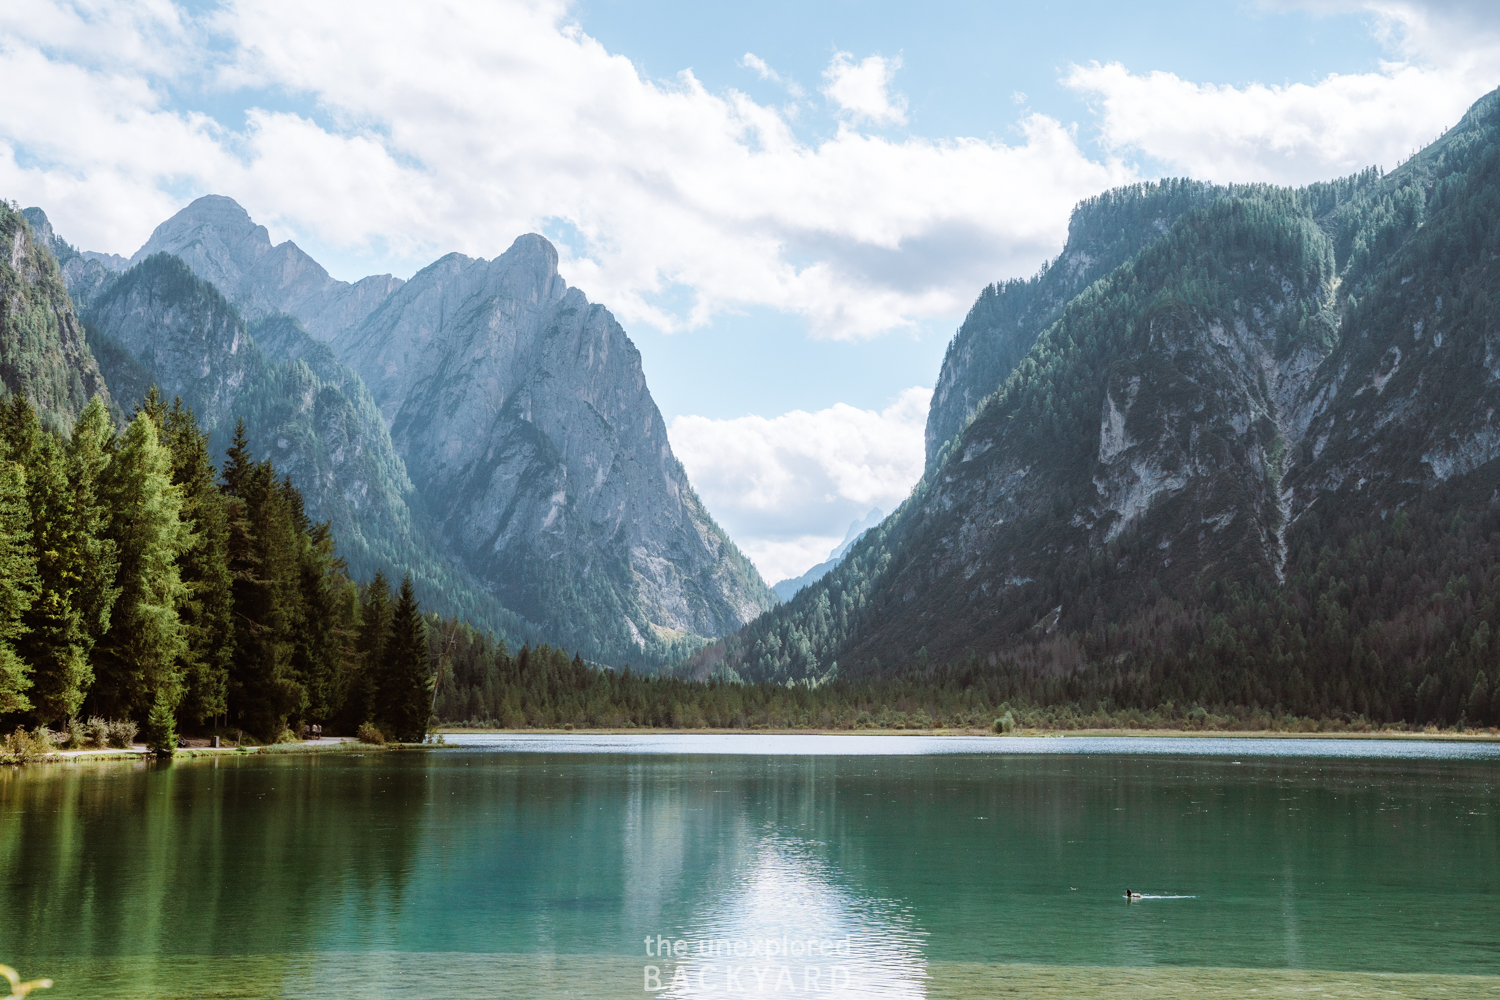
1255 734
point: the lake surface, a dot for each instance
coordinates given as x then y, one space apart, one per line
877 866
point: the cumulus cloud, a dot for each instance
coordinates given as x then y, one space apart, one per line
862 89
1448 56
785 488
405 131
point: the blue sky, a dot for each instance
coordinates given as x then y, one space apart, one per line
789 206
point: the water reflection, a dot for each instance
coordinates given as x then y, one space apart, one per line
785 923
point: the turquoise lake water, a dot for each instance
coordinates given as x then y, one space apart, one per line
877 866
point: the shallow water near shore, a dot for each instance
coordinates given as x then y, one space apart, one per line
784 865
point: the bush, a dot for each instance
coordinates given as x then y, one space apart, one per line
96 734
73 736
161 730
21 747
367 733
122 733
1005 724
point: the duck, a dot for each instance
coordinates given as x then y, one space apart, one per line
1132 895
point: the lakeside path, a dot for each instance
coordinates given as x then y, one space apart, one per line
137 751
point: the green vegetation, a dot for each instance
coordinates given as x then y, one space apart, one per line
136 585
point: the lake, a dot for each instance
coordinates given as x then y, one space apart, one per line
695 866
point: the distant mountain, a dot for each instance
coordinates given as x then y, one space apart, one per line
546 485
1253 464
217 239
787 589
44 354
523 411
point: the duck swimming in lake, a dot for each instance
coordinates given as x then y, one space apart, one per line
1132 895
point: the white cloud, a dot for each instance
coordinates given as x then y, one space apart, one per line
786 488
862 89
1293 134
415 130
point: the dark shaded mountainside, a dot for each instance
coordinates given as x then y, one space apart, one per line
1252 464
551 507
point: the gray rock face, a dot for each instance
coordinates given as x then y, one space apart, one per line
220 242
522 411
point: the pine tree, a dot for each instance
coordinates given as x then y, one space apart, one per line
139 661
95 555
406 688
365 667
18 582
207 612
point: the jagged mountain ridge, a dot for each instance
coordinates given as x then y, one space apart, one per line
1203 475
224 246
524 408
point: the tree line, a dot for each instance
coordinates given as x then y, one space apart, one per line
139 581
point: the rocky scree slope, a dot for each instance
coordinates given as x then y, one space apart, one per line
1252 465
523 411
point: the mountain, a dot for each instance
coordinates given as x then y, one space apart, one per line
547 485
44 354
217 239
160 324
787 589
523 410
1252 465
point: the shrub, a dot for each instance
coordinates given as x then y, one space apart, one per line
72 735
367 733
122 733
1005 724
20 746
96 734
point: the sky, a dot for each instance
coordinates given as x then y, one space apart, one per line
789 206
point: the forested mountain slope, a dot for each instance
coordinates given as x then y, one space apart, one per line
1253 465
523 410
44 354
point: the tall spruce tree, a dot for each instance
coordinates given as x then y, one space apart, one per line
94 556
406 687
18 582
139 661
361 689
207 612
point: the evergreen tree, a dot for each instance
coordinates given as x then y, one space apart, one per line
139 661
94 556
18 582
207 611
365 666
263 539
405 695
75 566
